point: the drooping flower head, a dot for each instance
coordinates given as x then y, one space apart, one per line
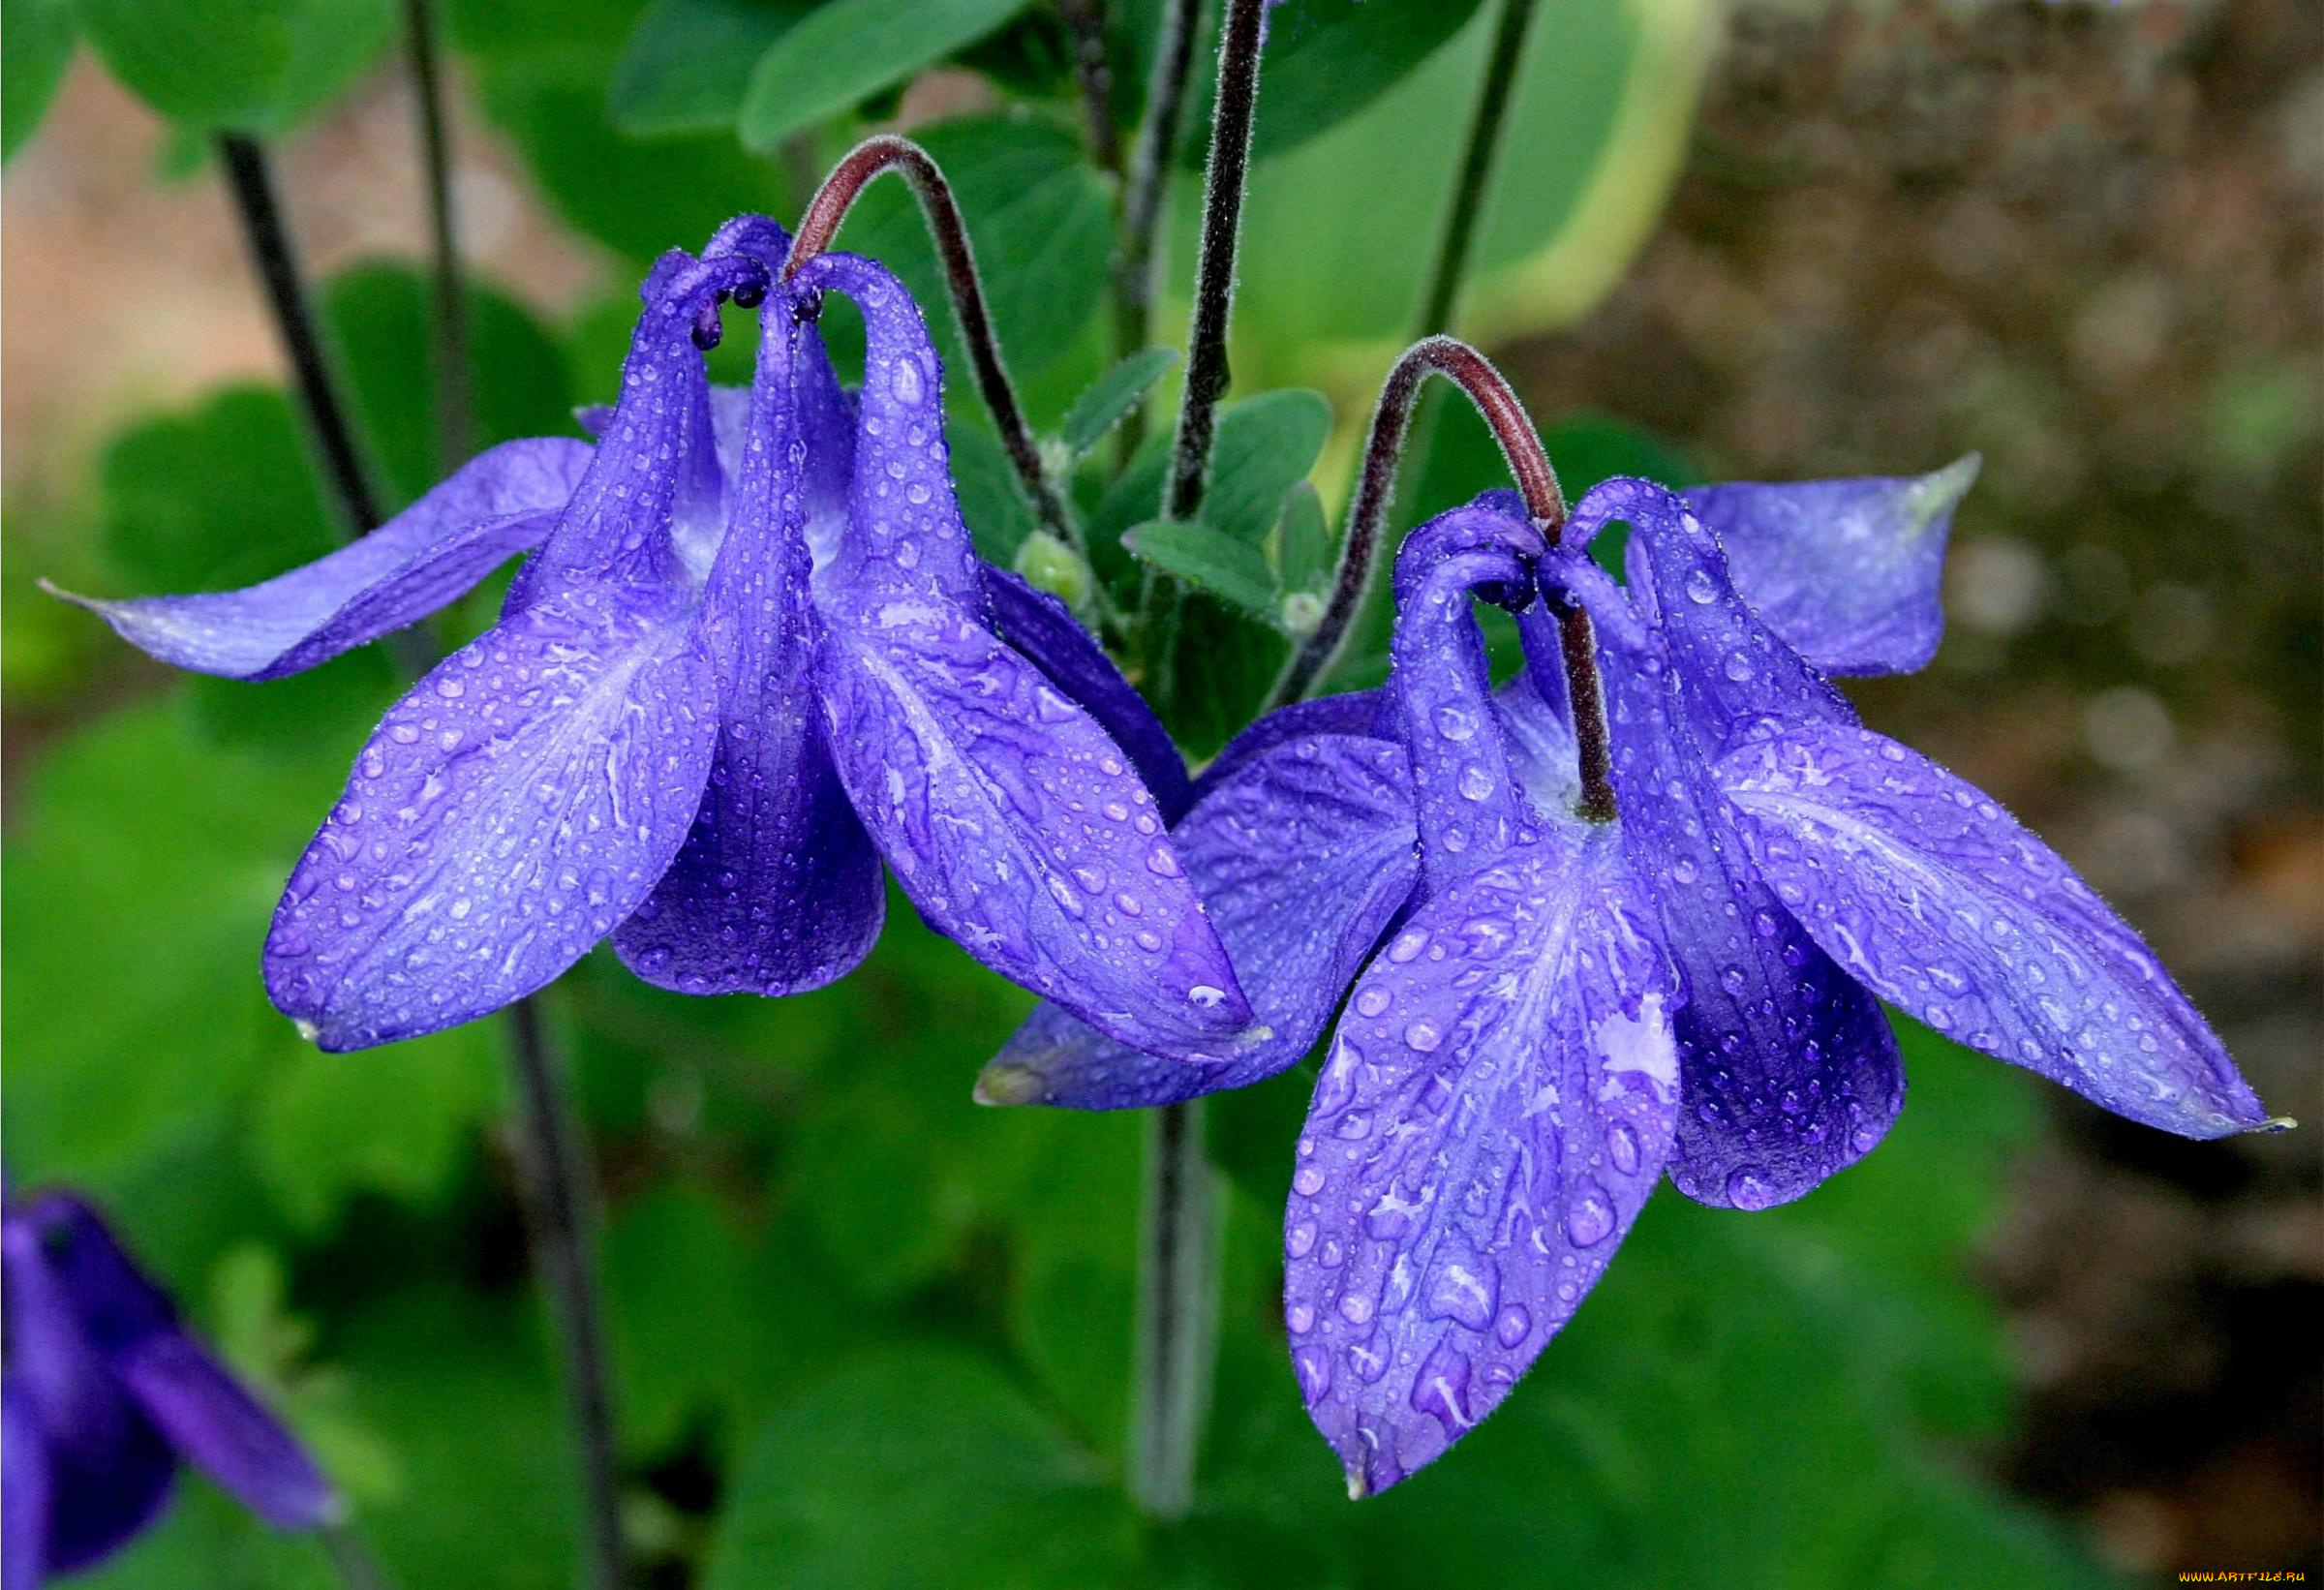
106 1394
1563 1011
753 654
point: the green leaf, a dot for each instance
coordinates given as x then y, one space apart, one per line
141 877
1325 61
636 197
919 1466
420 1104
458 1387
1042 226
1302 548
1106 404
249 66
1596 129
688 64
1264 444
1232 571
992 498
39 46
223 496
517 382
847 49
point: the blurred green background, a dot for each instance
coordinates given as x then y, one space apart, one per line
867 1334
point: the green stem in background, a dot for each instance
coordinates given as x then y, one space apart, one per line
1224 180
1475 180
1145 184
560 1197
1396 422
1177 1340
559 1191
250 179
1094 75
1178 1295
820 223
455 412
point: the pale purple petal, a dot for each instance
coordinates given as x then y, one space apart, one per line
503 817
1018 828
1358 712
1791 1073
1045 629
777 889
904 534
1848 571
1495 1110
498 504
1926 889
221 1429
1304 857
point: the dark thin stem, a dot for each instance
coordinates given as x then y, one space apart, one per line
557 1193
1226 176
1145 185
250 182
1085 20
1474 181
1177 1313
358 1568
560 1210
455 419
1375 491
829 207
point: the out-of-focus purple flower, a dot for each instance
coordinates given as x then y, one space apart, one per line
753 656
1562 1012
106 1394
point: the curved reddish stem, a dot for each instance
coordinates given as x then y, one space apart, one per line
889 152
1521 446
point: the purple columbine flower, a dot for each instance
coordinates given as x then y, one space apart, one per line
1562 1012
753 656
105 1393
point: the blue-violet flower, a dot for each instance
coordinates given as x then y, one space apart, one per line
105 1393
753 654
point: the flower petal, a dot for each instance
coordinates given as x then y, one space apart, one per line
72 1294
1045 629
23 1491
1304 857
1018 828
1921 885
1848 571
777 889
1791 1073
1495 1110
221 1429
503 817
1357 712
498 504
1471 804
905 533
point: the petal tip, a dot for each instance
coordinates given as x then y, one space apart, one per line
999 1086
308 1031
